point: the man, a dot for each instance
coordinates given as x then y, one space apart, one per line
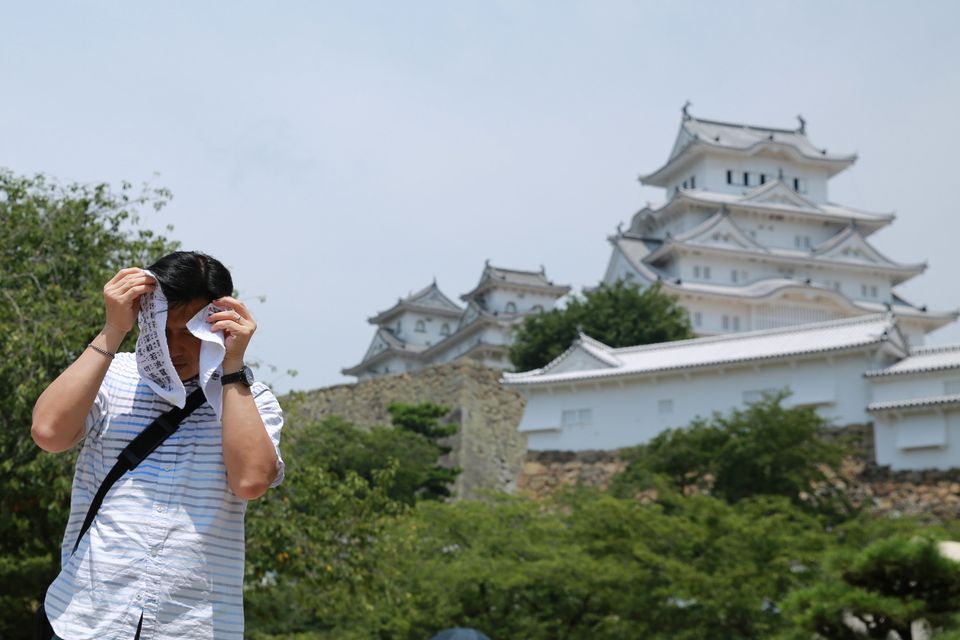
164 556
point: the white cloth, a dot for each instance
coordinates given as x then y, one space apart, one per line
153 356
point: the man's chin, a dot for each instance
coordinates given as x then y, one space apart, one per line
185 374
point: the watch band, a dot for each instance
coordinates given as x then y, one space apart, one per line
244 376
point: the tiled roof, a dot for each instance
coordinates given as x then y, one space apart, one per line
493 276
915 403
719 350
835 211
923 360
698 134
743 136
429 299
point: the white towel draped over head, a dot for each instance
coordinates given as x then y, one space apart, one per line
153 356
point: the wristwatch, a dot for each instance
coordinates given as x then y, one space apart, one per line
244 376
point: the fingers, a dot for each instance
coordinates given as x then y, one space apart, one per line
134 281
123 273
231 327
236 305
134 293
232 315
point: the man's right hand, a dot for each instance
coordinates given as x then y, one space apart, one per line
121 297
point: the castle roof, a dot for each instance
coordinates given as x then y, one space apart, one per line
923 360
878 330
697 135
494 277
774 197
427 300
384 345
914 403
846 249
637 250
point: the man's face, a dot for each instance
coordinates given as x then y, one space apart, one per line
184 346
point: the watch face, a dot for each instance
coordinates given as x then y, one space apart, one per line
248 376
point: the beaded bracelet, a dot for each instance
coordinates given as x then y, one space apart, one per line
103 351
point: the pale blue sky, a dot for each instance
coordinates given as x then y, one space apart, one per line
339 155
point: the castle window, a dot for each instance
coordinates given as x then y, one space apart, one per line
725 323
576 418
796 184
511 308
729 176
873 291
445 329
746 179
734 276
697 319
696 271
763 178
736 323
706 273
684 184
420 327
863 290
399 327
693 182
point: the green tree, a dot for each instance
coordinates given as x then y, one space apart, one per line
619 315
58 245
882 589
311 563
762 449
342 448
423 420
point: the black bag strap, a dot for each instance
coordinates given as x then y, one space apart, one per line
163 426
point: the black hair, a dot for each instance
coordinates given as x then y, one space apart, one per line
186 276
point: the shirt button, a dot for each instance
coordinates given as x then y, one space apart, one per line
159 508
167 468
139 597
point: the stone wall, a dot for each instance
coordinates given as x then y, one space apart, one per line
493 456
931 494
487 447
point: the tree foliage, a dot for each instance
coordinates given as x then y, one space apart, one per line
887 587
58 245
762 449
423 420
619 315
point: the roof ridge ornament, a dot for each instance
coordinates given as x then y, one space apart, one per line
802 129
685 110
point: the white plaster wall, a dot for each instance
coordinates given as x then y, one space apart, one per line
432 327
782 233
918 440
911 387
714 172
633 414
525 301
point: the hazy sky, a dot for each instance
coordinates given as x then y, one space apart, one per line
339 155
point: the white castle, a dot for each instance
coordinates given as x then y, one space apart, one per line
786 292
428 328
748 238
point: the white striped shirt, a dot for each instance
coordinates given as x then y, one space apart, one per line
167 542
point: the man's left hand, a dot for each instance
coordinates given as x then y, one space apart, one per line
237 325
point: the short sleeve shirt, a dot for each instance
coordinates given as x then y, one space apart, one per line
168 541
